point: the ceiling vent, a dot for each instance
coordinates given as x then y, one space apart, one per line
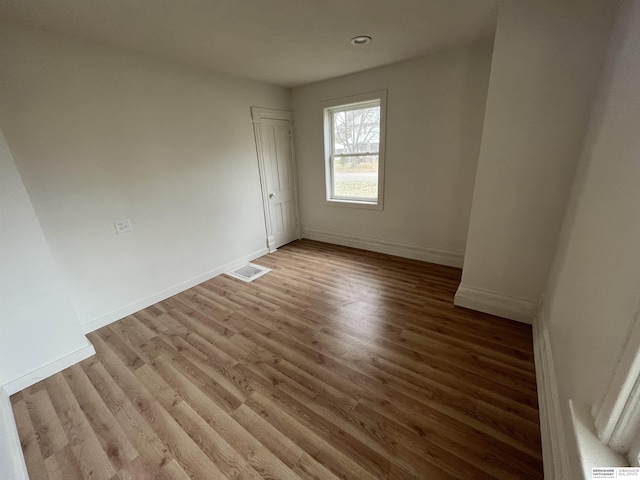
248 272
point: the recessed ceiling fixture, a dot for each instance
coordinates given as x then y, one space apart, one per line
361 40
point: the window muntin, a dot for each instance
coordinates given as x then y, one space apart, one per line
354 148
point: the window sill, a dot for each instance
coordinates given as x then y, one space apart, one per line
354 204
591 452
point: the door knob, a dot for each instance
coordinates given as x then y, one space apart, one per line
271 195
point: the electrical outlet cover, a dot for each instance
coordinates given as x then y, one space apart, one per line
122 226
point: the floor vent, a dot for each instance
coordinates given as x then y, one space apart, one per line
248 272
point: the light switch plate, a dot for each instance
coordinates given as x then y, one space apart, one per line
123 226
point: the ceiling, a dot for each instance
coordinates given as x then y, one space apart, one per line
284 42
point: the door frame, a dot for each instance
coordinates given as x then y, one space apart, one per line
257 115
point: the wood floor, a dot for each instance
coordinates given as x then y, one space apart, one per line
339 363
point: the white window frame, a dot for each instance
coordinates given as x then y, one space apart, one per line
617 417
348 103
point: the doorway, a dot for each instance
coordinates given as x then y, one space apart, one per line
273 131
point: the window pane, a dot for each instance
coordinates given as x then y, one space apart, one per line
356 177
356 131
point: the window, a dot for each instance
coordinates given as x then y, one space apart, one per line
354 150
617 417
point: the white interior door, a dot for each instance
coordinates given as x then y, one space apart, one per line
274 142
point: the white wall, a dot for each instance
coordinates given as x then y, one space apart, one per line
546 64
12 464
100 134
594 288
435 108
37 322
36 337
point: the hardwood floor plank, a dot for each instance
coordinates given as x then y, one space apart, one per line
316 446
137 469
308 468
425 364
91 459
48 431
231 463
108 431
307 359
195 361
54 471
174 471
28 441
286 450
68 465
338 364
463 397
451 451
178 442
286 423
153 451
212 332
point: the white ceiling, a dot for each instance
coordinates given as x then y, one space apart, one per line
284 42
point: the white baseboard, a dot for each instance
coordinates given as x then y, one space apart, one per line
49 369
517 309
554 447
390 247
11 458
143 303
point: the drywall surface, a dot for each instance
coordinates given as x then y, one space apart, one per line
593 293
12 465
435 108
100 134
37 322
547 59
